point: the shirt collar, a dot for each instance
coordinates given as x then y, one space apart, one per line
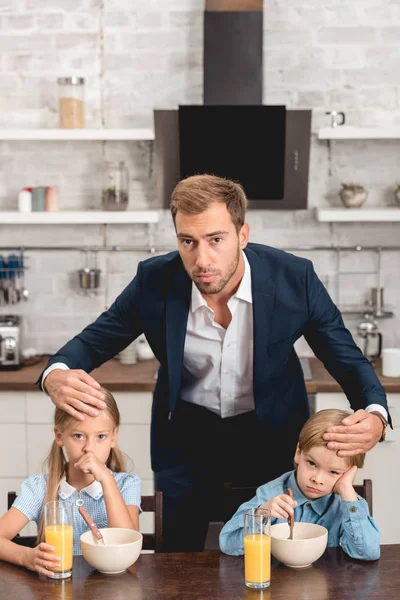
244 290
94 490
319 505
242 293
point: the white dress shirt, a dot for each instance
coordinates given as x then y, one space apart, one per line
218 362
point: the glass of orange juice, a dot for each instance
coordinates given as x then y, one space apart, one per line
257 548
59 534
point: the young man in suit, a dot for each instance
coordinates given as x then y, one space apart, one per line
221 315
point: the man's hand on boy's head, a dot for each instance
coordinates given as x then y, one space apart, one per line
358 434
280 506
344 485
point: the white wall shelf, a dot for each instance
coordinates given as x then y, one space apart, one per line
359 133
358 214
90 217
82 135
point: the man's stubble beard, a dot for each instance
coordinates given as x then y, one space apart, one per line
216 288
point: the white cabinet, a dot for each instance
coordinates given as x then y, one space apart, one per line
380 466
26 434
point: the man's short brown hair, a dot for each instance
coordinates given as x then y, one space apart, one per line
195 194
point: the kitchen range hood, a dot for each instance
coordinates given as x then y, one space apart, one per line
265 148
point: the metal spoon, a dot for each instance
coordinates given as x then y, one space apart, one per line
291 517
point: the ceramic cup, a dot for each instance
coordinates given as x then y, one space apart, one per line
391 362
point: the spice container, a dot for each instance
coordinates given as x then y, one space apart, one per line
71 102
38 198
52 201
115 194
25 200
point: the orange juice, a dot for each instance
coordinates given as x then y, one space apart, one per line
257 558
60 537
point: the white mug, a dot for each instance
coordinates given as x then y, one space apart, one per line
391 362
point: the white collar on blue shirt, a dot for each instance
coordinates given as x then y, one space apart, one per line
242 293
94 490
319 505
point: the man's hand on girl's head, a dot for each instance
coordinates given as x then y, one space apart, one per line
75 391
358 434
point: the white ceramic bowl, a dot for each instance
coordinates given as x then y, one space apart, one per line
308 545
122 548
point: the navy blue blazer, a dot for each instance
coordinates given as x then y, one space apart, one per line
289 301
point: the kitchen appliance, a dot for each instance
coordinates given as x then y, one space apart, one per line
10 342
233 134
334 114
369 330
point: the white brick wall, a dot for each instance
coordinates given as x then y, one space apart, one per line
137 56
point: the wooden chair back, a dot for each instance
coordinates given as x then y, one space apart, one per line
21 540
154 541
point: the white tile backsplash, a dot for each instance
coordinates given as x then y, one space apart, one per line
39 440
12 407
134 440
39 408
135 407
13 450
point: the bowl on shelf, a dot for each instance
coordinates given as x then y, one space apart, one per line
121 549
308 545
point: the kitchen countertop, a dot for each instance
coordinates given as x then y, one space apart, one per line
141 377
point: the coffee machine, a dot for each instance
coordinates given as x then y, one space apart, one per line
10 342
369 330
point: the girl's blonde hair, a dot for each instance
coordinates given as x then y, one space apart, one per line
312 433
56 462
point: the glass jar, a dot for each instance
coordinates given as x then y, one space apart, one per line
115 193
71 102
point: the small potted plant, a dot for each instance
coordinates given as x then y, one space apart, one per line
115 186
353 195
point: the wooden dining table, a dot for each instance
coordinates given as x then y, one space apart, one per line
213 576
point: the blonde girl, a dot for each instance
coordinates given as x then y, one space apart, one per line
85 467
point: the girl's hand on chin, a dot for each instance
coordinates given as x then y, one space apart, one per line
89 463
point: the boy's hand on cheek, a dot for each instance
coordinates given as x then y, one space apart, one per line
89 463
280 506
344 485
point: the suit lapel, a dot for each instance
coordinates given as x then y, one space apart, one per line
177 310
263 292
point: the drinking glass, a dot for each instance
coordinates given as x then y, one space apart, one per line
59 534
257 548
